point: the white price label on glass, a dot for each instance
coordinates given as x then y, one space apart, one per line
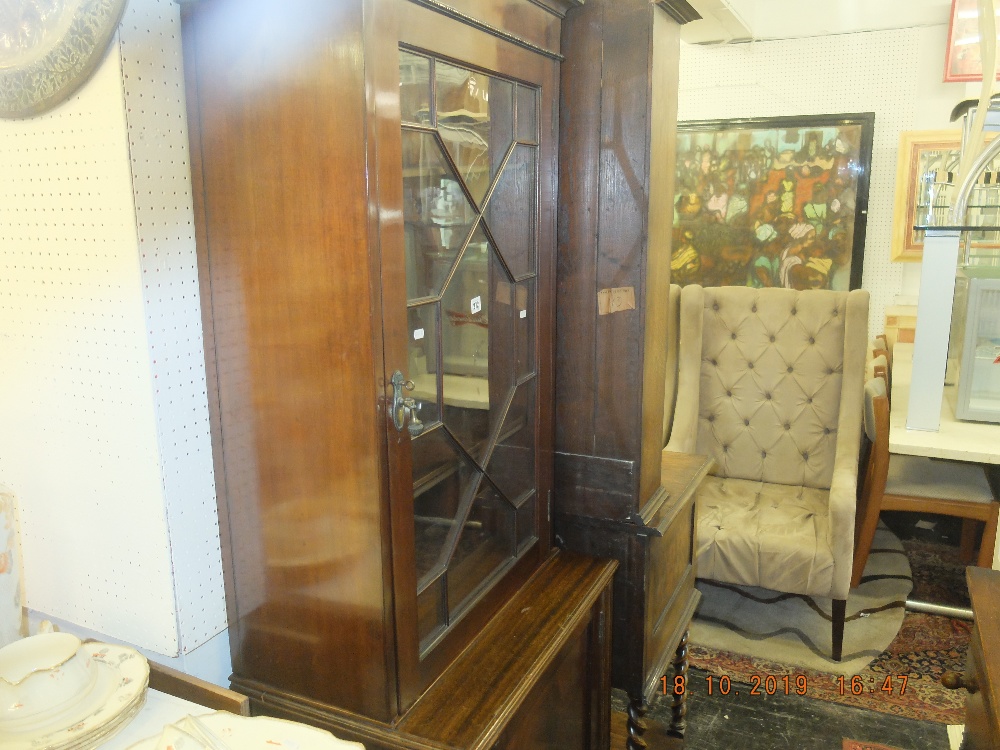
418 334
524 313
476 304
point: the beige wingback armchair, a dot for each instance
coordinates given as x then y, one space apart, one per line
771 385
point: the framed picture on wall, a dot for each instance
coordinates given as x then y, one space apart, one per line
963 57
772 201
925 172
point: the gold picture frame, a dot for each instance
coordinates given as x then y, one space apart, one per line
933 154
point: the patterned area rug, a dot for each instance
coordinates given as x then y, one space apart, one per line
796 630
855 745
925 647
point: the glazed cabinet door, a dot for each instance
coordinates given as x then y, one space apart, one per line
467 190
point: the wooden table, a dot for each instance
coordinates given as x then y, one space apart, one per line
956 439
982 675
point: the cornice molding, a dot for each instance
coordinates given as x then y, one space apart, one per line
454 13
679 10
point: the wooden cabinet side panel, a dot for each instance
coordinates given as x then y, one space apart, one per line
623 214
619 97
282 137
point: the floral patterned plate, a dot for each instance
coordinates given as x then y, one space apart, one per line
258 733
119 691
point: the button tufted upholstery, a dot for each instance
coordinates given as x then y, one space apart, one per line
789 539
771 371
771 385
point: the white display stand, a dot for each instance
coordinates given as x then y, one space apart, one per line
930 347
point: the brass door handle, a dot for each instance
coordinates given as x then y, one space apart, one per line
403 406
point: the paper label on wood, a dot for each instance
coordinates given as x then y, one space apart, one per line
615 300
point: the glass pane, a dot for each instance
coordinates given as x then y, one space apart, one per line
432 616
423 346
437 215
476 122
512 463
478 343
502 122
442 477
486 543
524 312
527 523
984 377
527 114
510 214
414 88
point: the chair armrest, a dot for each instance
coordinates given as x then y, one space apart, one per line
684 432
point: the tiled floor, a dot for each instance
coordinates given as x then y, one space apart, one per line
780 722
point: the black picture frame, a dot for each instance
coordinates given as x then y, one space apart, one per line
772 201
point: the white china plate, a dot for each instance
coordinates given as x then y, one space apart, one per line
118 692
262 733
102 734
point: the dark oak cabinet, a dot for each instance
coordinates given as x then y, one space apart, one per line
375 187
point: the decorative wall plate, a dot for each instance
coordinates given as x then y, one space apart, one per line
48 48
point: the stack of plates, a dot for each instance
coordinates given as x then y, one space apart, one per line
105 705
225 731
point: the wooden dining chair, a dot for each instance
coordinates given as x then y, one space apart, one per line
880 369
920 484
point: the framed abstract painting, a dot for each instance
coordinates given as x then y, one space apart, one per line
772 201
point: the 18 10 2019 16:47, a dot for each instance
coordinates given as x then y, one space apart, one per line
788 684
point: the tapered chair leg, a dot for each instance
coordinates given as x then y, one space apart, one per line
967 543
839 615
989 541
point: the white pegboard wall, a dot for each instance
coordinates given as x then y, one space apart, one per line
866 72
152 71
77 433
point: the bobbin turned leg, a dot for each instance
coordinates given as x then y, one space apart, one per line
678 709
637 726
